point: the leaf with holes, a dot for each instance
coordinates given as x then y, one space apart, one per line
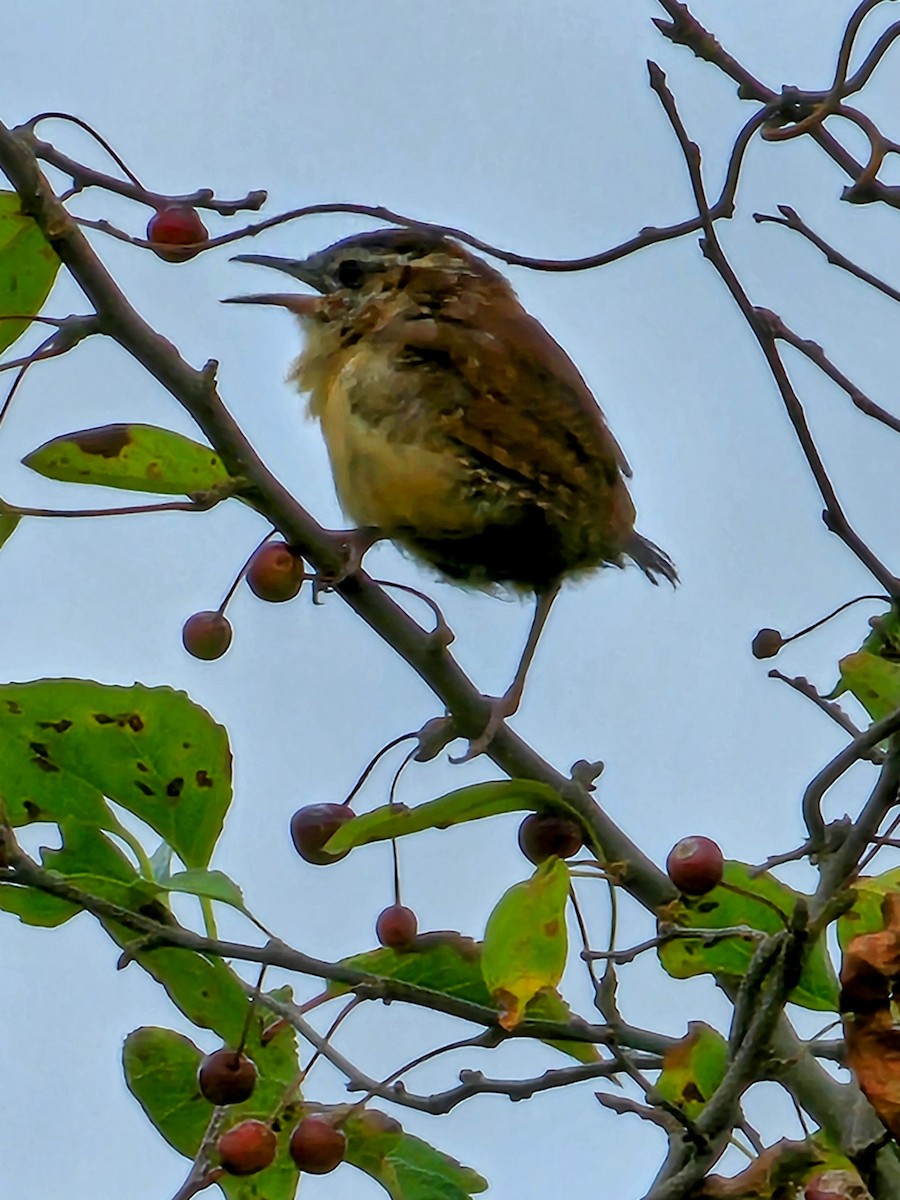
140 458
68 743
746 903
28 267
693 1068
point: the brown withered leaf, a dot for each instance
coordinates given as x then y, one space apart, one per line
837 1185
775 1175
870 976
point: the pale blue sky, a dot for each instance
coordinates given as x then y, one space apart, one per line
531 124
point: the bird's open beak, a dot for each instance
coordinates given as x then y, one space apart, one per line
303 269
301 306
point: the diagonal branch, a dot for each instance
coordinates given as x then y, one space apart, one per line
196 391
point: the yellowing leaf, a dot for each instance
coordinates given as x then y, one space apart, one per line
694 1068
525 942
873 680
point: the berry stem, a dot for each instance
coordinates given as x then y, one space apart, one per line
250 1007
89 129
815 625
242 572
374 761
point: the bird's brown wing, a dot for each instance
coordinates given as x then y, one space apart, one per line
523 405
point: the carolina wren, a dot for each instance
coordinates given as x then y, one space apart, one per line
456 426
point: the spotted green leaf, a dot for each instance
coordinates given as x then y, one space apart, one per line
693 1068
744 901
139 458
69 743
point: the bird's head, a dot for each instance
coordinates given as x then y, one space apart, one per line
367 266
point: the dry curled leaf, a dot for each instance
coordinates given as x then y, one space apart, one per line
775 1175
870 975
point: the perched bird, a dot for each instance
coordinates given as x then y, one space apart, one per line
456 426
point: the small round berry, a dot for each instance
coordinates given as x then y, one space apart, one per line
316 1146
543 834
396 927
312 826
177 232
227 1077
767 643
695 865
275 573
247 1148
206 635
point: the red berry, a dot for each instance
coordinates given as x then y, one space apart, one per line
312 826
227 1077
397 927
316 1146
176 230
767 643
543 834
695 865
206 635
247 1148
275 573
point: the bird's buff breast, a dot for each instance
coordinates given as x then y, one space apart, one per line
385 476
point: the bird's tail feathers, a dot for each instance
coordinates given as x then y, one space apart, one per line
651 559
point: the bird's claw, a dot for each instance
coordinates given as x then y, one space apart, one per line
351 546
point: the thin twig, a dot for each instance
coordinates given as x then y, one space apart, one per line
790 219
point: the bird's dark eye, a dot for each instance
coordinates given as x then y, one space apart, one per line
350 273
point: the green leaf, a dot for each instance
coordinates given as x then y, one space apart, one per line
450 965
161 1073
212 885
140 458
872 674
466 804
90 861
68 743
525 942
8 523
405 1166
874 681
762 903
694 1068
205 989
865 916
35 908
28 266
